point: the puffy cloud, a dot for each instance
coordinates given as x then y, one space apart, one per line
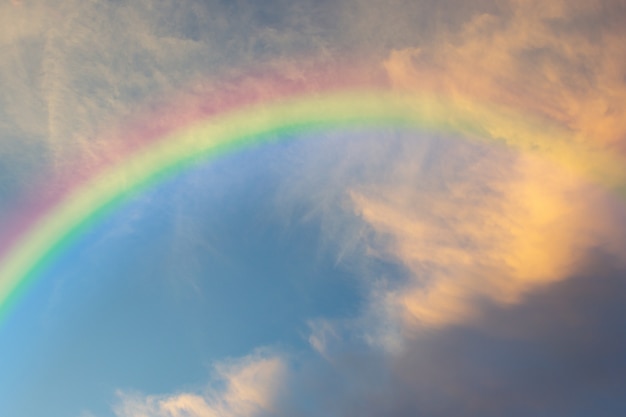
249 388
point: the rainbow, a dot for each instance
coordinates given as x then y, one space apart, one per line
223 127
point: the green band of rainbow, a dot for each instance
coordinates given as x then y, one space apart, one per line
84 206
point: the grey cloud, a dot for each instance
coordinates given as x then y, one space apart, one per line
79 66
558 354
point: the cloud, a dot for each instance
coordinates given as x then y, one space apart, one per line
564 62
249 388
73 69
555 354
497 233
558 353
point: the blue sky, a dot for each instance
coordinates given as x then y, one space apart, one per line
349 272
200 268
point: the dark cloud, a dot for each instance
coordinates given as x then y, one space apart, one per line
561 353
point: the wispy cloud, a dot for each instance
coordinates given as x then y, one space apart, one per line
564 61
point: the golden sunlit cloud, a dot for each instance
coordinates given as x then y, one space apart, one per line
531 61
464 245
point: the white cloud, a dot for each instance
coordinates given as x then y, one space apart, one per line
250 385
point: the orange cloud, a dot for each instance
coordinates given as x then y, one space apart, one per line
537 60
483 235
498 235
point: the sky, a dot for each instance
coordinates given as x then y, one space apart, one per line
213 218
